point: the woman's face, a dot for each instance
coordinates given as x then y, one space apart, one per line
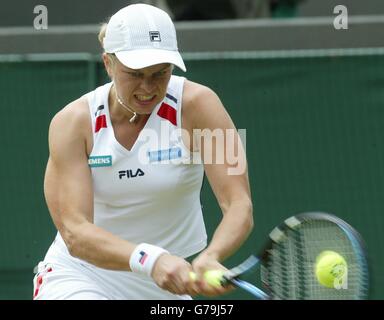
140 89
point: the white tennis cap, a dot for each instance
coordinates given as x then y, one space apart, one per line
142 35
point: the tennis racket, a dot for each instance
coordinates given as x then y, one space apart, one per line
288 261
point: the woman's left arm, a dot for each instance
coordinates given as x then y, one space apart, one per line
225 166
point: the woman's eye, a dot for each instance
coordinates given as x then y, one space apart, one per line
160 74
134 74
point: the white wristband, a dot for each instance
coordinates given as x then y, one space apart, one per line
143 258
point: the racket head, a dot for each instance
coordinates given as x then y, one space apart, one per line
289 258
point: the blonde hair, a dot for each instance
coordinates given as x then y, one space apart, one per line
101 34
101 37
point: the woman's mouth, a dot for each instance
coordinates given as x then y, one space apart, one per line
144 100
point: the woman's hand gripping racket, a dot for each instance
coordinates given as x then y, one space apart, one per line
309 256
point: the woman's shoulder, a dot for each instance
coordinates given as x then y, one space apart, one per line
194 91
74 116
199 101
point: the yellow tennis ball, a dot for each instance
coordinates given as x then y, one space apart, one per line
214 277
330 269
192 276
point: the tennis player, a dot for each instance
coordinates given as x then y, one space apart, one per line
127 209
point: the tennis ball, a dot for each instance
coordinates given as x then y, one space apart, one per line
192 276
330 269
214 277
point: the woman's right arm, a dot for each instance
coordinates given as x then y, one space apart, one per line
69 195
69 192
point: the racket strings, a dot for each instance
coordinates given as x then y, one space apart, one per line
289 273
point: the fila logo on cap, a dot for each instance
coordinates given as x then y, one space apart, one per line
154 36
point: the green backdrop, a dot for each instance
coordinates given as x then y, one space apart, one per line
314 129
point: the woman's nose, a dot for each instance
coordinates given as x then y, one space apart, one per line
147 84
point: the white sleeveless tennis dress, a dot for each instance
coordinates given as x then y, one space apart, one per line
150 194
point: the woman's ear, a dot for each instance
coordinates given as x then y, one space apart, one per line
108 64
